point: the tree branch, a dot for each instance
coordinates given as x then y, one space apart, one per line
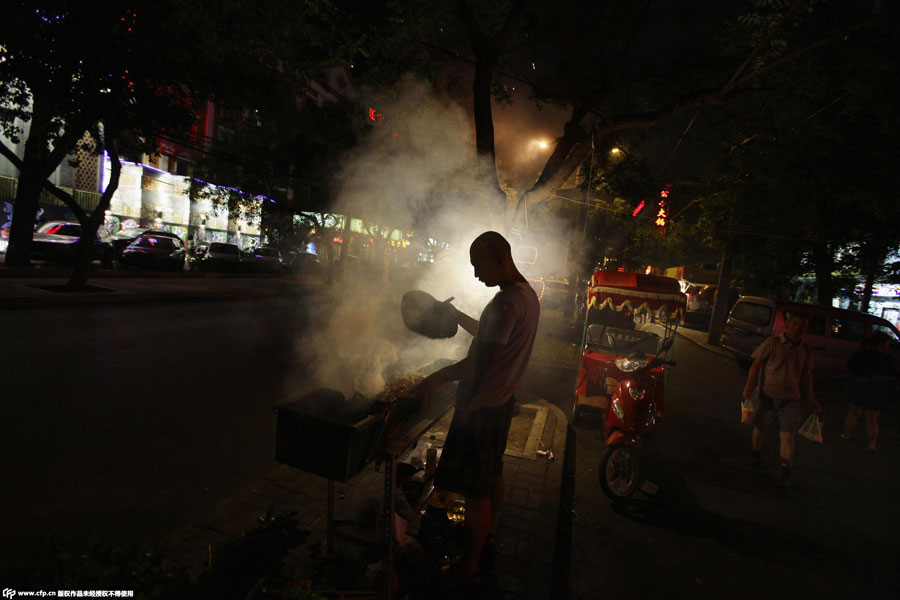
61 195
11 156
67 199
787 58
757 49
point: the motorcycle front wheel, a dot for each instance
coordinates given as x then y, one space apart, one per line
619 473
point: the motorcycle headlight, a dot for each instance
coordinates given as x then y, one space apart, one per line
636 392
617 409
628 365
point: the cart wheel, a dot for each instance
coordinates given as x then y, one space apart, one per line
619 472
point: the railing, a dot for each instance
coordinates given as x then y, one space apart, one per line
86 200
7 189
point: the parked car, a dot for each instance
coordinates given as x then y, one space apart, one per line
126 237
304 263
153 251
56 241
701 298
834 334
353 268
215 256
264 259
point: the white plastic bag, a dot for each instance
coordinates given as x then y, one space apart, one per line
748 407
812 429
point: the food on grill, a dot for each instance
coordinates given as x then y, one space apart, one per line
397 386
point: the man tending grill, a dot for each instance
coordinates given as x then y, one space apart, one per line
471 463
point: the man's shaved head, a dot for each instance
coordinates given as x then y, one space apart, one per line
491 244
491 256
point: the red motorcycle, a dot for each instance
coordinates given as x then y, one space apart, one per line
623 372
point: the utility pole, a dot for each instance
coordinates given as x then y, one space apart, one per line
723 291
587 195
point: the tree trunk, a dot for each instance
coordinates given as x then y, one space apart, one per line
823 256
84 252
21 231
345 252
720 309
867 290
484 134
872 265
32 173
487 52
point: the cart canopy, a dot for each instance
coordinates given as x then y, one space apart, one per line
658 295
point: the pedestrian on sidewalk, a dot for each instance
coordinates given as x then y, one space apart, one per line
873 371
782 370
471 462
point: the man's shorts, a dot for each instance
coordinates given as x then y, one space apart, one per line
473 452
787 411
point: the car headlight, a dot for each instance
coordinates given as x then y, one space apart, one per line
628 365
617 409
636 392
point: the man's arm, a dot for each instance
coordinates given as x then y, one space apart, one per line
449 373
752 378
760 356
465 321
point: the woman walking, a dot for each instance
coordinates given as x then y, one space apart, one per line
873 371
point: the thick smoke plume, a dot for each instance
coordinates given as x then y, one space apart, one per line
416 170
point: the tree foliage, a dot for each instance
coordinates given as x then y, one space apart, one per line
99 73
806 174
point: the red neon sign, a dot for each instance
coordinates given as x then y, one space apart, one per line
375 116
661 214
638 208
533 260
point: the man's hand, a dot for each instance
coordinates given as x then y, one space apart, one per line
752 379
815 406
425 389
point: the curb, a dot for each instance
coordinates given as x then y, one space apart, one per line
704 345
47 299
97 298
714 349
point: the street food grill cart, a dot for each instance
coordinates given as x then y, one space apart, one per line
339 450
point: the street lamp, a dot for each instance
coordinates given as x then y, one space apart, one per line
615 150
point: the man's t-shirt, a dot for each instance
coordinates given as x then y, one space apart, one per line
510 319
784 365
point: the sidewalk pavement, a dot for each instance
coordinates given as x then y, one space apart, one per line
700 338
525 538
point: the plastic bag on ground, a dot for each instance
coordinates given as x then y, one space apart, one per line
812 429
